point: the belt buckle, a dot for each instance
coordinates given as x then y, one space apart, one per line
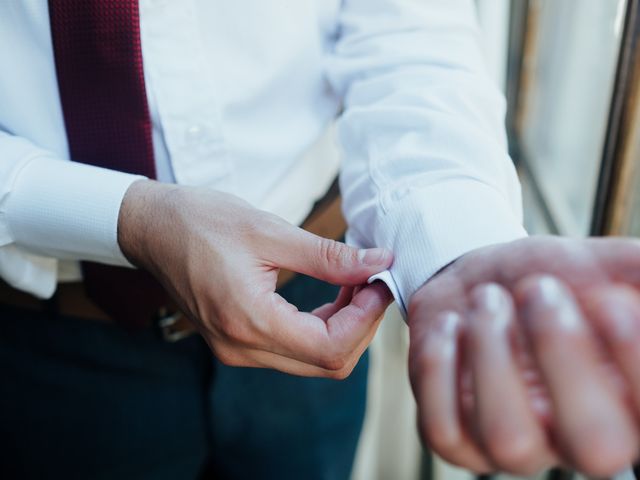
167 324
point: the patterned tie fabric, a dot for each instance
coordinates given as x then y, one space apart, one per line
98 60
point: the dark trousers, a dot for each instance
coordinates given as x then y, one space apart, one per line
81 399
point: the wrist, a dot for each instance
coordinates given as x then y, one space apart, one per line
143 206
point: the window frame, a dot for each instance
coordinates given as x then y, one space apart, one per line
609 214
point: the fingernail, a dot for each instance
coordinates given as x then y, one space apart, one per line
490 297
374 256
548 294
490 304
543 292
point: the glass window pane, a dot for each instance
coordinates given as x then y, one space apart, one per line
568 74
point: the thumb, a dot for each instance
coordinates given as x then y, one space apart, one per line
329 260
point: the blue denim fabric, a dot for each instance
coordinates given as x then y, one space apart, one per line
81 399
268 424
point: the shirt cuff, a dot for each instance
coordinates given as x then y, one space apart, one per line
67 210
429 228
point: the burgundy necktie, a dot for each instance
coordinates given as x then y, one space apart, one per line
101 82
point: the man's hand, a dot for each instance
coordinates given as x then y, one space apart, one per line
219 258
527 354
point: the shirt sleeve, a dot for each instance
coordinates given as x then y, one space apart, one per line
426 171
51 209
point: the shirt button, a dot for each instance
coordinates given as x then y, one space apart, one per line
195 134
399 193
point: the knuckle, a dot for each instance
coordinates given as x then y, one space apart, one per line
432 341
528 287
236 330
343 373
333 253
225 324
229 358
339 376
615 311
334 362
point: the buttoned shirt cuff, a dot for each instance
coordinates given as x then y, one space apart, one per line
67 210
428 228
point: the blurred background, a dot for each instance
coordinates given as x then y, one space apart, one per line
570 71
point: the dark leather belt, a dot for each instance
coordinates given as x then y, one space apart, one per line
325 220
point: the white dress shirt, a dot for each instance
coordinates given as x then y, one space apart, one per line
240 93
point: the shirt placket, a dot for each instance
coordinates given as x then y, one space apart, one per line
183 93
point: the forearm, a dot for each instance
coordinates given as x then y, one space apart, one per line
426 170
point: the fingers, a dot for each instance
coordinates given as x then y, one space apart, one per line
326 344
510 434
344 297
618 257
329 260
591 424
434 377
332 344
244 357
615 312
